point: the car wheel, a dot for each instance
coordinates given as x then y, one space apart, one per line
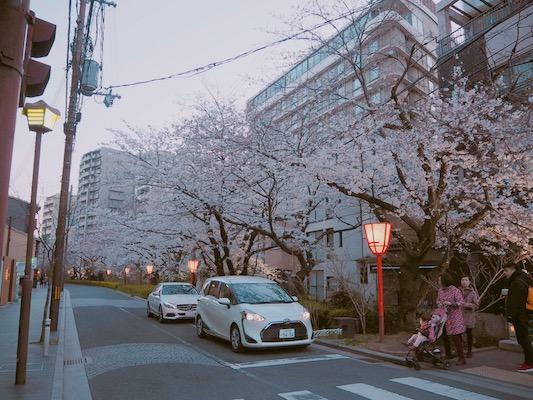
148 312
160 316
200 332
236 343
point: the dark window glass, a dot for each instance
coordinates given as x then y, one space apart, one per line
258 293
212 290
178 289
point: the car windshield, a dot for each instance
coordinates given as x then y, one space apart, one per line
257 293
178 289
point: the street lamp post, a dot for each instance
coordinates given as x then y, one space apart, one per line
378 237
126 272
193 267
149 270
41 119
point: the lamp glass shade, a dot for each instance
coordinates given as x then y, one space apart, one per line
193 265
149 269
41 117
127 270
108 272
378 236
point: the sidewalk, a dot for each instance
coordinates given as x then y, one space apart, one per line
490 362
55 376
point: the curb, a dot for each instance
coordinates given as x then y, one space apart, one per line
371 353
57 385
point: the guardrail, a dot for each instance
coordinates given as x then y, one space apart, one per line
478 26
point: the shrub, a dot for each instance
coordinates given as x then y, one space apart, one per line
141 291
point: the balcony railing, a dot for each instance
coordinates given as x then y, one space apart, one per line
478 26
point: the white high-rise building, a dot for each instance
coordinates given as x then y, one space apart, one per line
104 184
392 42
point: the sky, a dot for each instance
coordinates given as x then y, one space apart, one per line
145 40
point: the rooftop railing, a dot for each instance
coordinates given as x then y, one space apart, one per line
478 26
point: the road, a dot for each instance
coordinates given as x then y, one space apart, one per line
130 356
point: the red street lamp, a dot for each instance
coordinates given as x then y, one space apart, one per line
126 272
149 270
193 267
108 272
378 237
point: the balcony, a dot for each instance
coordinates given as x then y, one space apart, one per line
478 26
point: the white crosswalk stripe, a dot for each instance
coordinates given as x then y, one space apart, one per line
301 395
286 361
371 392
376 393
443 390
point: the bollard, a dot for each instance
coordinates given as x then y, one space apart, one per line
46 336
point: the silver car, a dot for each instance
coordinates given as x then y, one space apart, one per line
172 300
252 312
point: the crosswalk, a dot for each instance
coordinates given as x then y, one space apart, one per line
370 392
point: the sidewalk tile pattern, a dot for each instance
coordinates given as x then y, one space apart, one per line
108 358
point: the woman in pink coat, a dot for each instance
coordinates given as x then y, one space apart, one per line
451 297
471 304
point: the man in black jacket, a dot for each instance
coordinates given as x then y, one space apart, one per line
519 282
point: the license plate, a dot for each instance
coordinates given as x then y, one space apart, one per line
190 313
286 333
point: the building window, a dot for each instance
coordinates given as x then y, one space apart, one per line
374 74
373 47
329 238
415 22
430 62
375 98
356 88
341 239
363 274
331 283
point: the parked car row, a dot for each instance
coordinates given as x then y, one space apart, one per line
247 311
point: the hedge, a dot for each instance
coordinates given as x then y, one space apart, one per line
141 291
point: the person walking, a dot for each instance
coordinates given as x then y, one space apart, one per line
451 298
471 304
517 314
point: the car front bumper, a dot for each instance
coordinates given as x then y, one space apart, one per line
276 334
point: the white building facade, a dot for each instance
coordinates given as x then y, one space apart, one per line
392 43
103 184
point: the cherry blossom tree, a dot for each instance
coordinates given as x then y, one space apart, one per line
446 171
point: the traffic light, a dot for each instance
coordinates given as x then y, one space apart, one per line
40 36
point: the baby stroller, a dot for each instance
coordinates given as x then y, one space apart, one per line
428 351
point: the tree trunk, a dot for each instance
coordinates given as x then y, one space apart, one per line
409 293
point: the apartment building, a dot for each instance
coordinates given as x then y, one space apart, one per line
50 213
103 184
391 43
488 39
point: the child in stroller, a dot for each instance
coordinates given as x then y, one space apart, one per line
422 343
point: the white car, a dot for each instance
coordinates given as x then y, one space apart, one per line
252 312
172 300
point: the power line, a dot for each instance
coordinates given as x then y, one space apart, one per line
207 67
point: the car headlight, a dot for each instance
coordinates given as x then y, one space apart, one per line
169 305
306 315
250 316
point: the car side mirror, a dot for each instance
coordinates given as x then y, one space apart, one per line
295 298
225 301
155 294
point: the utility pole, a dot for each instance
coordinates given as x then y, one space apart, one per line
69 129
13 22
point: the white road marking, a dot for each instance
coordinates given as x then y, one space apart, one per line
302 395
285 361
442 390
372 392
